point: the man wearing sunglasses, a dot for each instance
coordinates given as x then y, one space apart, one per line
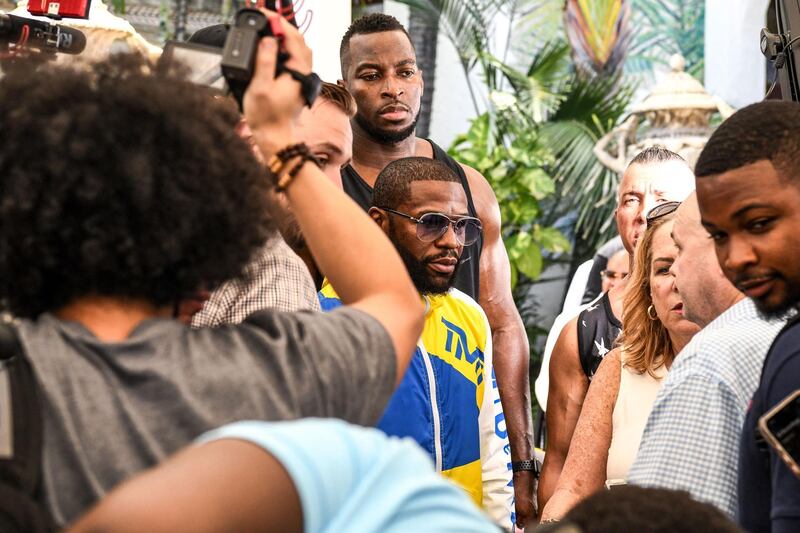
654 183
380 70
448 400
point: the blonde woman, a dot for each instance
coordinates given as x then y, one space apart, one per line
621 395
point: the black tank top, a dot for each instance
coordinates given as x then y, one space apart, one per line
598 329
467 277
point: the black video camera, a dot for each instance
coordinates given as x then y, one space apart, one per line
241 49
780 49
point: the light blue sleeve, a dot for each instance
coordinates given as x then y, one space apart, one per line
691 442
351 478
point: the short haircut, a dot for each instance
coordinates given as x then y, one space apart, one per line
656 154
632 508
372 23
120 182
339 96
393 184
767 130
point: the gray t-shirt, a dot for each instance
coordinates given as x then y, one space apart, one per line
114 409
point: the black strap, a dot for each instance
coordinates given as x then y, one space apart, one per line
20 474
468 275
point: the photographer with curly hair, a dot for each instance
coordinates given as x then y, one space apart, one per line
123 192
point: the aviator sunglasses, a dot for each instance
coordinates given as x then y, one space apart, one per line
431 226
661 211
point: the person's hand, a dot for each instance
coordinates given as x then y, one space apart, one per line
523 498
272 105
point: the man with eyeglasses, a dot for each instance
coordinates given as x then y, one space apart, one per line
380 70
448 400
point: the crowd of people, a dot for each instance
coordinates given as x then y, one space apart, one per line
299 317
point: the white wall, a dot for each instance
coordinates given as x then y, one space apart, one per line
735 69
331 18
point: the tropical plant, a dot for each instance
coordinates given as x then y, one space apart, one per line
533 138
589 109
467 24
514 162
566 111
666 27
599 33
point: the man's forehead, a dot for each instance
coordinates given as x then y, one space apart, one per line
325 117
672 180
724 197
373 47
619 260
437 196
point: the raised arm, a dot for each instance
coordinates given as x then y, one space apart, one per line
370 276
226 485
567 390
585 468
511 351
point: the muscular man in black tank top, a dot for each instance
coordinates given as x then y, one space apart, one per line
379 69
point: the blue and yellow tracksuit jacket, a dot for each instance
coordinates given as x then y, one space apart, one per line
449 403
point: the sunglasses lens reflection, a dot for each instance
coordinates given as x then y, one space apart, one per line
469 232
431 226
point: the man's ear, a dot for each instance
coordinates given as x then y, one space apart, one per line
380 217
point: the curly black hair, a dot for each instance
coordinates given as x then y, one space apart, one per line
371 23
763 131
120 181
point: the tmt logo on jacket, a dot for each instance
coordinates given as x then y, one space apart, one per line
449 404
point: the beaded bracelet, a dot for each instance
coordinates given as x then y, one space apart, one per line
280 160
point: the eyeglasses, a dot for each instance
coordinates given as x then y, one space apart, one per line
431 226
661 210
610 274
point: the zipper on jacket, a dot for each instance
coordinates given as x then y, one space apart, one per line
437 425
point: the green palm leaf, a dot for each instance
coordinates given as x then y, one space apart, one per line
466 23
590 109
536 90
666 27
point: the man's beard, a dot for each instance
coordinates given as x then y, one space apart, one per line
789 305
383 136
419 273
